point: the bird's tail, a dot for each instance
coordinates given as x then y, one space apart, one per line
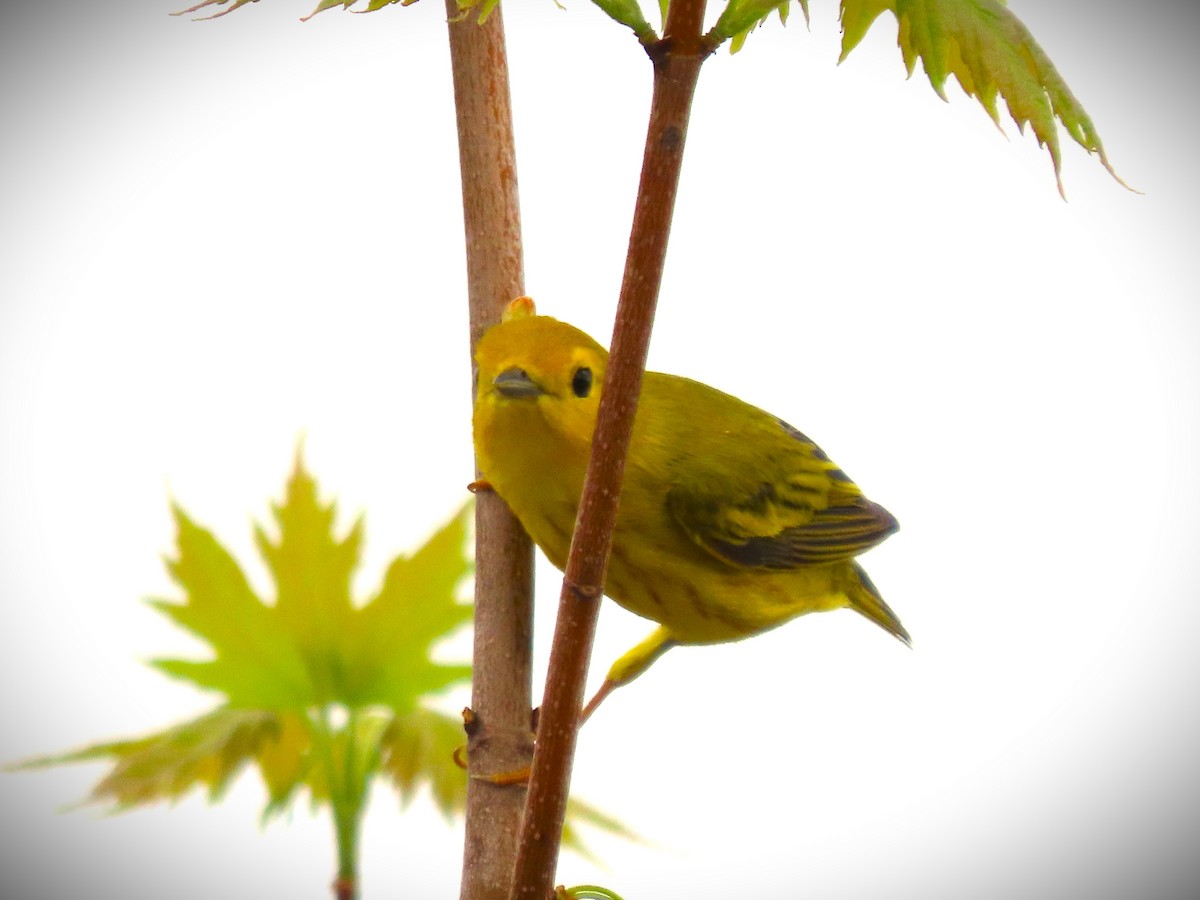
864 598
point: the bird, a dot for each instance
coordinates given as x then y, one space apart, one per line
730 521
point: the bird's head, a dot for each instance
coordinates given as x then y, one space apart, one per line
537 372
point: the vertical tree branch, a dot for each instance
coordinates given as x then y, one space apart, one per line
677 58
501 686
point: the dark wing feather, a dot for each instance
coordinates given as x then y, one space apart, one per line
836 533
798 509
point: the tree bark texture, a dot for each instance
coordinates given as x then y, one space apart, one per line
499 737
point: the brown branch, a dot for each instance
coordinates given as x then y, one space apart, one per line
501 686
677 58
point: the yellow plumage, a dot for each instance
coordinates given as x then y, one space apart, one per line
730 521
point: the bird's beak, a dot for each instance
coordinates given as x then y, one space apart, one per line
516 383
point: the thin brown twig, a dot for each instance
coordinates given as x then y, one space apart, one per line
501 685
677 58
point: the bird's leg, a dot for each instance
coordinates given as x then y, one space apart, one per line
623 671
630 666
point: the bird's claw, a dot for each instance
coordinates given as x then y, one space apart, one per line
516 776
472 726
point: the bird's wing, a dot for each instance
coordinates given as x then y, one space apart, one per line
795 509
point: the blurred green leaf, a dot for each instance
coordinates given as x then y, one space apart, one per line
315 687
321 695
418 750
414 750
208 752
580 813
389 639
284 762
255 663
313 647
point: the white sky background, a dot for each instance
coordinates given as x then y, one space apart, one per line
218 237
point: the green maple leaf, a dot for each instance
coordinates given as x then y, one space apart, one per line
321 694
991 54
987 49
313 647
254 664
312 682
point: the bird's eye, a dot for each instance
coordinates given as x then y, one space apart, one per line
581 384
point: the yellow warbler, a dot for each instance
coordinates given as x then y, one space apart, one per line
730 521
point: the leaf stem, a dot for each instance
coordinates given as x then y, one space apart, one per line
502 665
677 58
346 795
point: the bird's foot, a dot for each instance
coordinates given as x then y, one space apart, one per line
477 733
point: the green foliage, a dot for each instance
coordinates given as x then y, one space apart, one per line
981 43
740 17
313 647
991 54
321 694
628 13
415 750
209 751
581 813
